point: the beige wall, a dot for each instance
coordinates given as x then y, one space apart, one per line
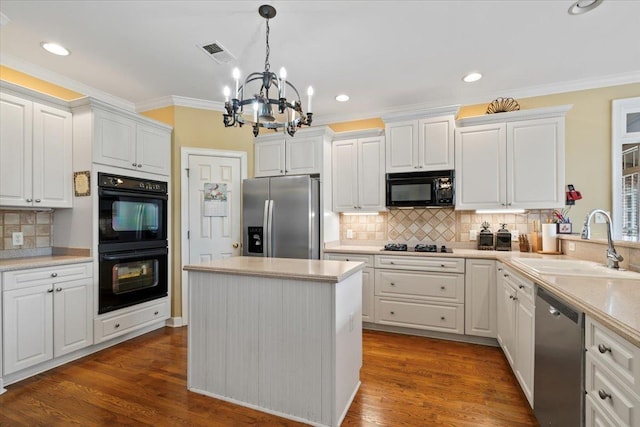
588 136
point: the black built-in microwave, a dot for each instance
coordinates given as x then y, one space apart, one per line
420 189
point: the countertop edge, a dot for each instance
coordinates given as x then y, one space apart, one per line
12 264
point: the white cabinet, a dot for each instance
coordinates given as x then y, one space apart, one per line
421 293
480 298
36 148
612 378
516 326
131 143
358 174
277 154
368 280
420 144
47 313
511 160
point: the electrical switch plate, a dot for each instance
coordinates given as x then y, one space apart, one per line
18 238
473 235
349 234
514 235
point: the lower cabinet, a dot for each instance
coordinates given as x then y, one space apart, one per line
125 321
368 279
47 313
612 378
480 298
516 325
421 293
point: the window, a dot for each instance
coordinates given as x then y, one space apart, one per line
626 168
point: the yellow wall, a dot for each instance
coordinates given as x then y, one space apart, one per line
588 139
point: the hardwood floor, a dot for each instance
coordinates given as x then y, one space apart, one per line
406 381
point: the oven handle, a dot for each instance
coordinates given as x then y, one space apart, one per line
137 254
116 193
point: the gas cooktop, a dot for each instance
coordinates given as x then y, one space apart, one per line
403 247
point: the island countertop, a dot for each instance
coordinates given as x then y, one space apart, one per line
285 268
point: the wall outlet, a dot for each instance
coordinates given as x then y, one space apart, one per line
349 234
515 235
17 238
600 219
473 235
572 246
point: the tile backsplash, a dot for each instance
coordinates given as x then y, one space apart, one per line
37 228
432 225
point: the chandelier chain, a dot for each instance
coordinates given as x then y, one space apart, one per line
267 66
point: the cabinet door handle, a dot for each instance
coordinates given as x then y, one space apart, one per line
521 286
50 290
58 289
38 200
505 275
603 394
442 318
139 165
391 262
116 326
134 164
281 171
603 348
500 269
442 288
29 200
155 313
392 284
393 312
54 274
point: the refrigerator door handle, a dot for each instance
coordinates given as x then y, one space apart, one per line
265 228
270 230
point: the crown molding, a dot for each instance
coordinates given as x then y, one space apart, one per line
351 134
535 113
12 88
179 101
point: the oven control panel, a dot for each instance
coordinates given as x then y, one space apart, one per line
130 183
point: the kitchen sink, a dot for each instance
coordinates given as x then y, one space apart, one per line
573 267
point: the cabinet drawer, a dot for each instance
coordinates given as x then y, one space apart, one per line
449 265
420 315
43 275
523 286
609 394
118 325
614 352
596 417
444 287
367 259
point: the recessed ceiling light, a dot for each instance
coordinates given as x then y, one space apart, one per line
472 77
342 97
55 48
583 6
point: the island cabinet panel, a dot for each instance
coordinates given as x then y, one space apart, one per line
288 346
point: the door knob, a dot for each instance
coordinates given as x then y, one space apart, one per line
235 245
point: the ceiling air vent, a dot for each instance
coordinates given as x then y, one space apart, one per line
217 52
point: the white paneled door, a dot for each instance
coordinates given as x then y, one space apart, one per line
214 225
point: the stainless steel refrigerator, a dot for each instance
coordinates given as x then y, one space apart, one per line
281 217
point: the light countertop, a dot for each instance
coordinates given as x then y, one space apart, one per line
10 264
284 268
613 302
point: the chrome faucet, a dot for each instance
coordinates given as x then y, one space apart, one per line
613 258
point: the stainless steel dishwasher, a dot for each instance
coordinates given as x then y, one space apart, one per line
558 387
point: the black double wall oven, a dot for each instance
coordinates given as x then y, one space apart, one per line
132 241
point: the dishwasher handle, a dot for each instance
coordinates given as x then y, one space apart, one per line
558 307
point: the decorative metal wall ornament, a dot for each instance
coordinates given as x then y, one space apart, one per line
291 115
502 105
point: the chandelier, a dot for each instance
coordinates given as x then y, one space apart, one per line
290 115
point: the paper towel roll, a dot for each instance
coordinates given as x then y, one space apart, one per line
549 239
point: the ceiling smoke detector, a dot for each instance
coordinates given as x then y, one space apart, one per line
583 6
217 52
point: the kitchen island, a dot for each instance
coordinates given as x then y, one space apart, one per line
279 335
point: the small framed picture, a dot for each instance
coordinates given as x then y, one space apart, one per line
564 228
82 183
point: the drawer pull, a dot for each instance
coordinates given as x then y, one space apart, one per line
442 318
442 265
58 289
50 290
116 326
442 287
393 312
346 259
155 313
54 274
500 269
603 394
392 284
603 348
505 275
521 286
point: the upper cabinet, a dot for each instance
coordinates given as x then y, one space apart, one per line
511 160
423 141
280 154
35 153
358 171
131 143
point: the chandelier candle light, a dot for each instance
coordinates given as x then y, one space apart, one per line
291 115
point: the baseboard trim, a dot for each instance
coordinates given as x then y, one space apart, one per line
175 322
431 334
